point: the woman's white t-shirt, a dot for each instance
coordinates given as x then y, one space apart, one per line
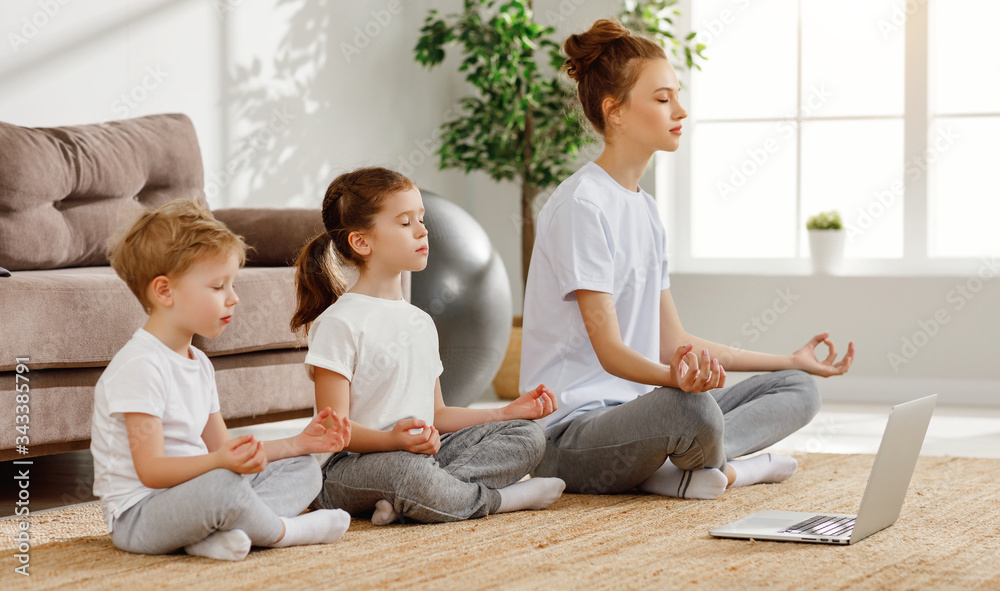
596 235
387 349
147 376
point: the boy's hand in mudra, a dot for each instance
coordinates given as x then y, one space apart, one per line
538 403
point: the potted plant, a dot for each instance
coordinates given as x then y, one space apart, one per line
826 242
521 123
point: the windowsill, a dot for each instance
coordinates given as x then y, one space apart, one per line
984 268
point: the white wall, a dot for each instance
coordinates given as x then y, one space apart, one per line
284 95
914 335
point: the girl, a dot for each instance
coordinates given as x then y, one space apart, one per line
637 407
374 358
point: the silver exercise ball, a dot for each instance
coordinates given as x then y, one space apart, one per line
466 291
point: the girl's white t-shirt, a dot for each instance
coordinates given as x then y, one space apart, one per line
146 376
596 235
387 349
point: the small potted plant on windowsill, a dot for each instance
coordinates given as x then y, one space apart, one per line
826 242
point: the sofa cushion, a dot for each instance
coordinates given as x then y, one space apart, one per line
82 317
64 190
275 235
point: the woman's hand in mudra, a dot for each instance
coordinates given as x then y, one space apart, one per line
687 374
806 359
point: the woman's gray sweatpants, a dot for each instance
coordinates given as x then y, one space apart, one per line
171 518
458 483
613 449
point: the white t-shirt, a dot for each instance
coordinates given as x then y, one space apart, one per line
596 235
387 349
147 376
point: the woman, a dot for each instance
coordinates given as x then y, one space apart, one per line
642 403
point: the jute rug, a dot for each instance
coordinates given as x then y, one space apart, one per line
945 538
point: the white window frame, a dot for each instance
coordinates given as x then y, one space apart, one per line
673 180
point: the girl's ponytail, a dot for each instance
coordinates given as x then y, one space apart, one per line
318 282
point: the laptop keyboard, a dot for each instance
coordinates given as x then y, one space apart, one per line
822 525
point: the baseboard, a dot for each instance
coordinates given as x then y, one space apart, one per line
982 393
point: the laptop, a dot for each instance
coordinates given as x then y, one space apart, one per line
882 501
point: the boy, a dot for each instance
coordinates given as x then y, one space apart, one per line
166 471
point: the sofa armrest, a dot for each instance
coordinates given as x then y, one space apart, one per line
276 235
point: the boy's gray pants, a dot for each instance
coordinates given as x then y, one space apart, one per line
612 449
171 518
459 482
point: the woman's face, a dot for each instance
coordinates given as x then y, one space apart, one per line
652 118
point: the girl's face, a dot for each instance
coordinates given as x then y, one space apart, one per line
652 118
398 240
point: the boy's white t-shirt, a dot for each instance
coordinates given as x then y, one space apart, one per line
387 349
148 377
596 235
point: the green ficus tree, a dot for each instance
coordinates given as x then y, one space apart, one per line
522 124
657 19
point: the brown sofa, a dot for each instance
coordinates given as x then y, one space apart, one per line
63 192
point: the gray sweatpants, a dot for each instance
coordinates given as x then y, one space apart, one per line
458 483
613 449
174 517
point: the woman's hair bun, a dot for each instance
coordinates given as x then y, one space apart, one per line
581 50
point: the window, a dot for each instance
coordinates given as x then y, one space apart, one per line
865 106
964 101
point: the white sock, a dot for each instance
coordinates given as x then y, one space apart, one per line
233 544
316 527
532 494
671 481
763 468
384 513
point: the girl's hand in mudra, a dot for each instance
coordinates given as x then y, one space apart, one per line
538 403
688 375
806 359
316 438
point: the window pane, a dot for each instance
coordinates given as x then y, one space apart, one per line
743 190
964 56
963 195
752 49
856 167
852 58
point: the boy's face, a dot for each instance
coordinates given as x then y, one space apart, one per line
204 298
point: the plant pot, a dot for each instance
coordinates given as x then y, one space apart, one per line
507 379
827 250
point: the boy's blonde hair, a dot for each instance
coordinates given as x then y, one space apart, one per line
167 241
